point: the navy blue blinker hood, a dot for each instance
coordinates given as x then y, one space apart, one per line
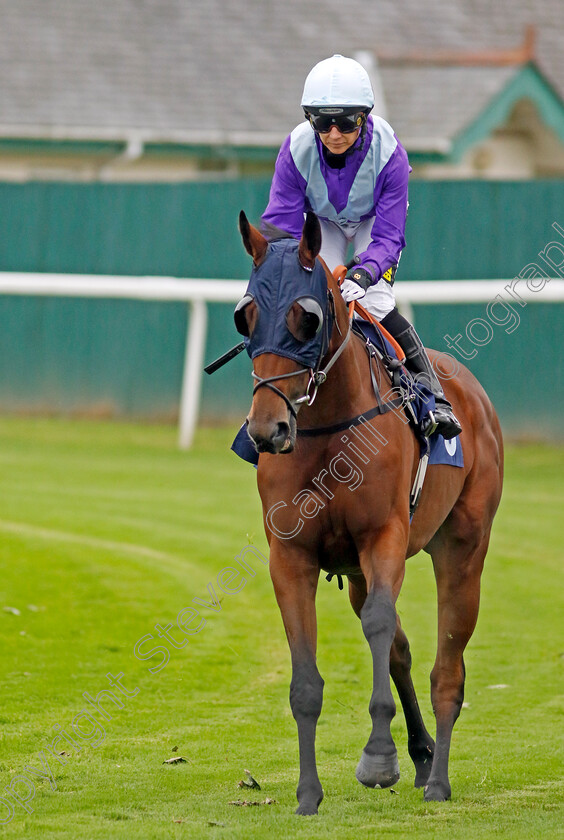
277 283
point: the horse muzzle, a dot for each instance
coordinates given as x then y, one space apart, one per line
278 437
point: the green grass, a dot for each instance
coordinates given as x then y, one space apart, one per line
107 530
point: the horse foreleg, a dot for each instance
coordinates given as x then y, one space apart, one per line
378 765
420 744
457 571
295 586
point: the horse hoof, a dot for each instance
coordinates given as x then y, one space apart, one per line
309 800
423 761
306 810
437 792
378 771
422 775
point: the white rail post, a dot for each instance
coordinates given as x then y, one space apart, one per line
192 374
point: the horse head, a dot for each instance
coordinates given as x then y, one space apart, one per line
286 319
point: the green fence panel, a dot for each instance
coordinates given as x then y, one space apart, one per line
478 229
181 230
126 357
521 370
94 356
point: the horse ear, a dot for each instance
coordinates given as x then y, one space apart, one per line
310 243
253 240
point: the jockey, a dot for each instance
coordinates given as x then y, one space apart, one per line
352 171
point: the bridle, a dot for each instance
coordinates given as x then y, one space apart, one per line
316 377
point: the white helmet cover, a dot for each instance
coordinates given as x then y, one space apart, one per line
338 81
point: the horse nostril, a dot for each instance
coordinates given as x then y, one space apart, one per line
272 438
282 432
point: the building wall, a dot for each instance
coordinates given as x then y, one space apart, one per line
523 148
133 162
20 167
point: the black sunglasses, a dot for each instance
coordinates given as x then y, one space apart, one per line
346 123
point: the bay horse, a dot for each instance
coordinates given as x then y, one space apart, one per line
312 384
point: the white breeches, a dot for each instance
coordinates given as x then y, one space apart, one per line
379 300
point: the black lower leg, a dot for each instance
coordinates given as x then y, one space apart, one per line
420 743
419 364
395 322
378 766
306 698
416 358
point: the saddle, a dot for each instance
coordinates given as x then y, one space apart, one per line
416 399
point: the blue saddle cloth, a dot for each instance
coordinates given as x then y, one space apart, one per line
445 451
244 447
441 451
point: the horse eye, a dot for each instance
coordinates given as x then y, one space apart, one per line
304 318
239 316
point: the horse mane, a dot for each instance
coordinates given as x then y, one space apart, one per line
273 233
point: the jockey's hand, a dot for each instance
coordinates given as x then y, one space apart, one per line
355 284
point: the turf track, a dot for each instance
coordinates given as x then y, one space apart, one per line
107 530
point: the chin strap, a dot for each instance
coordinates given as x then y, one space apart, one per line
363 134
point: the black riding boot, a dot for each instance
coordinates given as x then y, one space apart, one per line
417 362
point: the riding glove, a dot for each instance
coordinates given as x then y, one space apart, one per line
356 283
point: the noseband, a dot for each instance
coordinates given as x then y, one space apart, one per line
316 378
267 383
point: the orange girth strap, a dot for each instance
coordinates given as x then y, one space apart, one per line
339 275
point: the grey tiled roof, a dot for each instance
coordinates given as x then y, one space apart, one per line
197 69
439 102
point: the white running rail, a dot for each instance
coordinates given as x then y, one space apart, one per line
198 293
